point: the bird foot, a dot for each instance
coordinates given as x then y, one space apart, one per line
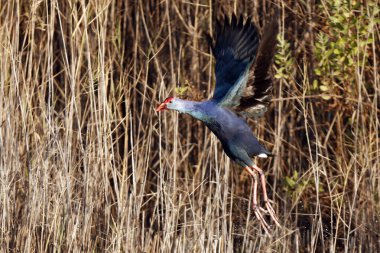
272 213
263 223
263 210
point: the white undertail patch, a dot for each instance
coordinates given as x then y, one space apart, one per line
262 155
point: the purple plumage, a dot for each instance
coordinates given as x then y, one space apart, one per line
243 89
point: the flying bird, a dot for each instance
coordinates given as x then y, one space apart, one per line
243 90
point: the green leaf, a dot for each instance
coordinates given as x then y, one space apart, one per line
323 88
315 84
291 183
295 175
181 90
326 97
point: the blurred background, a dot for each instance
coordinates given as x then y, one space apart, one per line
87 165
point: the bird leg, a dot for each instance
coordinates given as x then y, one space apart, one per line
258 214
269 207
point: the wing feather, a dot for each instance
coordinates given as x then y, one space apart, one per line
259 85
243 82
234 49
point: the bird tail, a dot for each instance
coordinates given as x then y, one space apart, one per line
265 153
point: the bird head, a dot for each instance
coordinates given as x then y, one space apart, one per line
169 103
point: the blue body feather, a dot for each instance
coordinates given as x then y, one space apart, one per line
235 51
234 133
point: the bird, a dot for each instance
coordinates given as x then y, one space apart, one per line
243 90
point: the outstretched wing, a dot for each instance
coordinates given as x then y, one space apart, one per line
234 50
259 85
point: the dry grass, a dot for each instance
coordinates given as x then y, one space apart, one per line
86 165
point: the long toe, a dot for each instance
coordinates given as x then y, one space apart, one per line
272 213
263 223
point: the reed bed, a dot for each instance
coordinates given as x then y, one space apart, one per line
87 165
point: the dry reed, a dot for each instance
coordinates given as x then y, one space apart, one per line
86 165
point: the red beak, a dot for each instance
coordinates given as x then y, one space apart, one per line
161 107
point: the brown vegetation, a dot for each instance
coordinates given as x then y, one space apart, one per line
87 165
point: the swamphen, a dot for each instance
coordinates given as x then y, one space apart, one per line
243 89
